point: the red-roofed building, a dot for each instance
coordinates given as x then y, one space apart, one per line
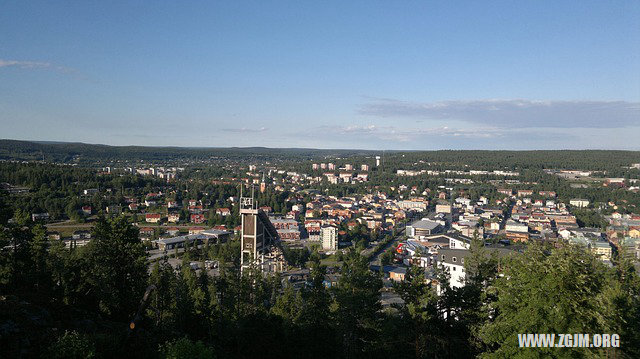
223 212
153 217
197 218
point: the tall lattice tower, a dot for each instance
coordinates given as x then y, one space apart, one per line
260 243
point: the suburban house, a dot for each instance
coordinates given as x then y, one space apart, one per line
397 274
223 212
197 218
153 217
525 193
174 217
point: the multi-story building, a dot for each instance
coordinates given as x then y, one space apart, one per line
443 207
413 204
517 227
329 237
580 203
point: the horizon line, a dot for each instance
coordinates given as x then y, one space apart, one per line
54 142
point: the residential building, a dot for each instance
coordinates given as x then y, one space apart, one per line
329 237
397 274
580 203
223 212
197 218
153 217
443 207
517 227
40 216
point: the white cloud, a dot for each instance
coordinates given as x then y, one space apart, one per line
245 130
37 65
24 64
514 113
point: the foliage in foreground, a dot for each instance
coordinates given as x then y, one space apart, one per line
79 303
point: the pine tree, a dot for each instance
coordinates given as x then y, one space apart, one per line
357 307
542 291
118 267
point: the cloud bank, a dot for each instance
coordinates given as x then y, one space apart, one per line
401 134
514 113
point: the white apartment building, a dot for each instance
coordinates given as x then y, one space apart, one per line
329 237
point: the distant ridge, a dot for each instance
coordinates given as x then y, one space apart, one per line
67 152
98 154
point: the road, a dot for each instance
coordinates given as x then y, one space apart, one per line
376 259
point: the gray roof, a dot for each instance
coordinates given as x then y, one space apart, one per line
446 254
191 237
425 224
179 239
449 253
445 237
215 232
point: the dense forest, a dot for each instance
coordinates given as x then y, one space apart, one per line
595 160
88 302
89 153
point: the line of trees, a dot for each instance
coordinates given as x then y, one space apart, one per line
78 303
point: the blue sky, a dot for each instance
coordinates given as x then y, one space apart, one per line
329 74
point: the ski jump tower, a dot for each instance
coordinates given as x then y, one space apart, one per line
260 243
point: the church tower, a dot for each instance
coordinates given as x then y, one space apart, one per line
263 184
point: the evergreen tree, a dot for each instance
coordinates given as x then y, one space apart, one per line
357 307
39 252
423 324
118 267
557 291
